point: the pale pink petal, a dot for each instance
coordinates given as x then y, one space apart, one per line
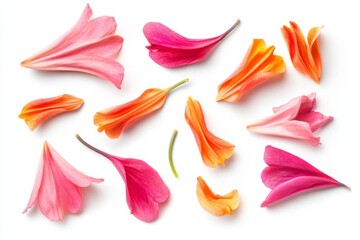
170 49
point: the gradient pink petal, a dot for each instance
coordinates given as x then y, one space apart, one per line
170 49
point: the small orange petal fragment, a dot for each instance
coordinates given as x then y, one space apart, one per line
216 204
38 111
213 150
258 66
305 56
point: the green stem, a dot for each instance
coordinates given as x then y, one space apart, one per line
171 147
231 29
177 84
91 147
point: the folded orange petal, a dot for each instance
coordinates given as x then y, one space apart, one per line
213 150
38 111
305 56
258 66
115 119
216 204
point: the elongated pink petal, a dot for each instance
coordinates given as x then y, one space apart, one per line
288 174
170 49
145 189
57 186
89 47
295 119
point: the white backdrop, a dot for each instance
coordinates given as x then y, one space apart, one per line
29 26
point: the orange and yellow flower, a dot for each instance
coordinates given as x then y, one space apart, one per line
258 66
213 150
40 110
214 203
305 56
115 119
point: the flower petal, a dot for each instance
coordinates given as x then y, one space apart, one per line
115 119
38 111
305 56
145 189
170 49
259 65
213 150
90 47
216 204
288 174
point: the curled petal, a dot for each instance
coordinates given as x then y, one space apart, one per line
38 111
213 150
214 203
295 119
305 56
90 47
258 66
57 186
115 119
169 49
287 174
145 190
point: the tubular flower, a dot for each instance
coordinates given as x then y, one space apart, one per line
214 203
305 56
90 47
169 49
38 111
115 119
258 66
213 150
145 189
287 174
57 186
295 119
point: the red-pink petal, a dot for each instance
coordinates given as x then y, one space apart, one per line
57 186
170 49
288 174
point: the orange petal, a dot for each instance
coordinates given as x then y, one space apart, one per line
258 66
115 119
213 150
305 55
38 111
216 204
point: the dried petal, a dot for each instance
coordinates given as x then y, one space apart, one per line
169 49
90 47
115 119
288 174
213 150
57 186
258 66
214 203
39 111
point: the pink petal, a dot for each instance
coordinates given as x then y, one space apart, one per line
170 49
288 174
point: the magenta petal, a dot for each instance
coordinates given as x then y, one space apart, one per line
145 189
57 186
170 49
288 174
90 47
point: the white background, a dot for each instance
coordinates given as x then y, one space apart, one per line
29 26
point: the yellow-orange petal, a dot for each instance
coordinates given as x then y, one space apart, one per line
213 150
115 119
38 111
258 66
305 55
214 203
